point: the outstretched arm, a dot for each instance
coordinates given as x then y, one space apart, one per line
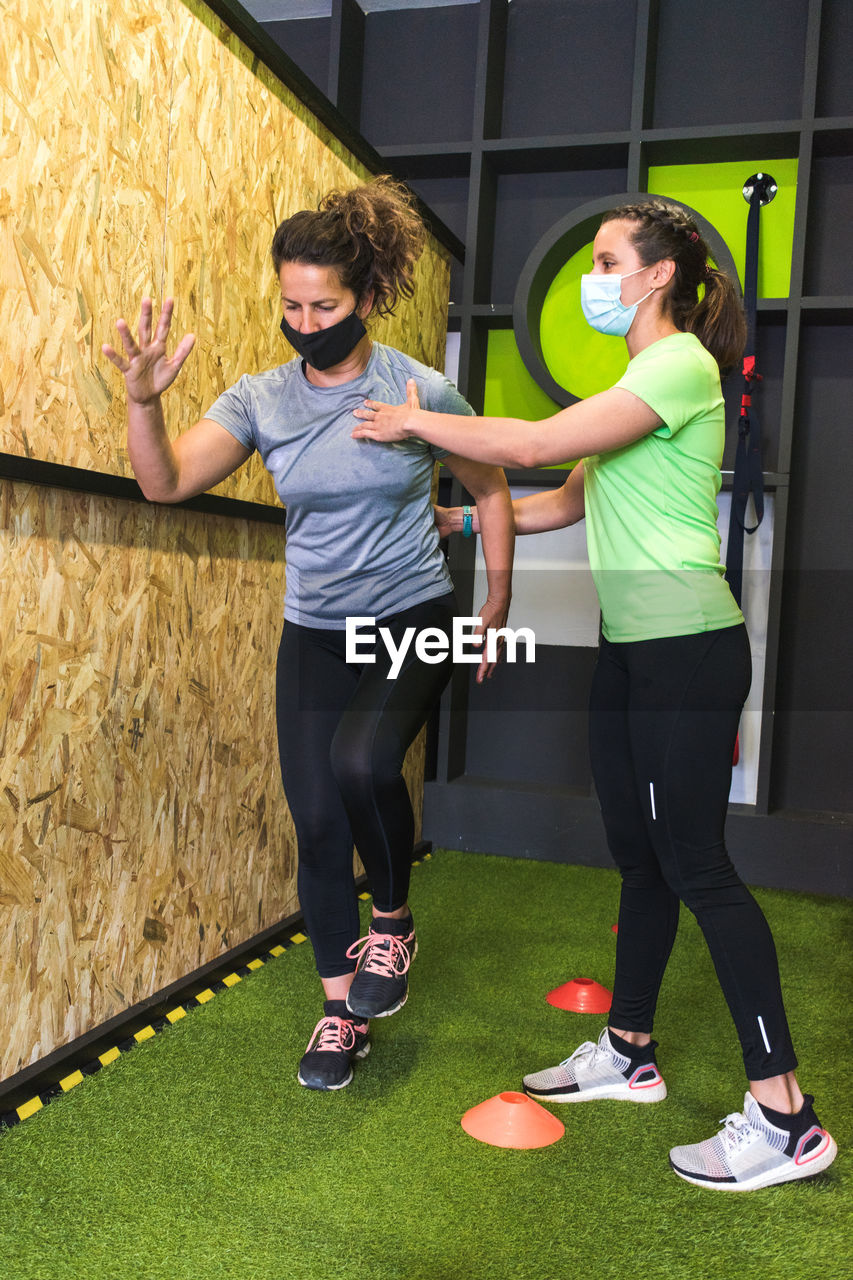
535 513
167 471
551 508
599 424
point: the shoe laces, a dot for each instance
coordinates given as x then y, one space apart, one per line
383 953
737 1131
332 1035
586 1050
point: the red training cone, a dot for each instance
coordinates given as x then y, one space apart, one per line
581 995
512 1120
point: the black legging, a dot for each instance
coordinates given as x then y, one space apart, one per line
663 720
343 731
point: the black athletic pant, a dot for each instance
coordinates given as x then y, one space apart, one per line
663 720
343 731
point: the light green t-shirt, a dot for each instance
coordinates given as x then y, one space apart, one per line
651 507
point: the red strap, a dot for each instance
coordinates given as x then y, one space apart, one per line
749 370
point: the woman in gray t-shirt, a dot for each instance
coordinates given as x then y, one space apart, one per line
356 675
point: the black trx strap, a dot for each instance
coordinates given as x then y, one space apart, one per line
748 479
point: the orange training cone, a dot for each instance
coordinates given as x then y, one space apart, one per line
581 995
512 1120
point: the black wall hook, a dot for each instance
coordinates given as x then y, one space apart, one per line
766 184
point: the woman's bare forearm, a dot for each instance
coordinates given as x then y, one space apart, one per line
172 471
535 513
497 538
150 450
551 508
495 524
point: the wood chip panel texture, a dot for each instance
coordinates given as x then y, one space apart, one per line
140 154
143 830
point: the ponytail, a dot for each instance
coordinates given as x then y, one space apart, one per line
661 230
372 237
718 319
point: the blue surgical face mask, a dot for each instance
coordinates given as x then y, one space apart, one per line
602 305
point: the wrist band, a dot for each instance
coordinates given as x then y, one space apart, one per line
467 521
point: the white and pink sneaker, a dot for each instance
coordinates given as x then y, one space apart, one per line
751 1151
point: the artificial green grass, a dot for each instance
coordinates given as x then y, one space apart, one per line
199 1156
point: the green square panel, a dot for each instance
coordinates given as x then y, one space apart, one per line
510 390
716 191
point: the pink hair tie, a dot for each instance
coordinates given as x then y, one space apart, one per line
694 236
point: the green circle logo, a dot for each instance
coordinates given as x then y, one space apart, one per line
577 357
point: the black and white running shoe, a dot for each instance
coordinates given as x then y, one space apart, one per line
599 1071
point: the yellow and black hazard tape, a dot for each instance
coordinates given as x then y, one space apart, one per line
40 1100
157 1024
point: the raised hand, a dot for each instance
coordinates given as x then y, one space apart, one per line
147 370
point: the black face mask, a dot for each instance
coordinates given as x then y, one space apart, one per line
326 347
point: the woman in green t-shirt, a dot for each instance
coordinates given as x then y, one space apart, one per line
672 675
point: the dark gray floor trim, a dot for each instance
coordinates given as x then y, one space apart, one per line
805 853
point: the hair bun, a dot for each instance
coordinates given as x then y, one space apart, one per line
372 235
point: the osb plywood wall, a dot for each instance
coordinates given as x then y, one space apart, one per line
142 826
140 155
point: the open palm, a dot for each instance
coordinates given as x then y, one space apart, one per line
147 369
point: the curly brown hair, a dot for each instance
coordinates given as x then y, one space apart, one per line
371 235
663 230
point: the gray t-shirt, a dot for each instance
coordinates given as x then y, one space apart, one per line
361 539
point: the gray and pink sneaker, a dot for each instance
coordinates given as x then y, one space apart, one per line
381 985
335 1041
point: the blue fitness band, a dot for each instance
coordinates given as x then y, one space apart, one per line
467 521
